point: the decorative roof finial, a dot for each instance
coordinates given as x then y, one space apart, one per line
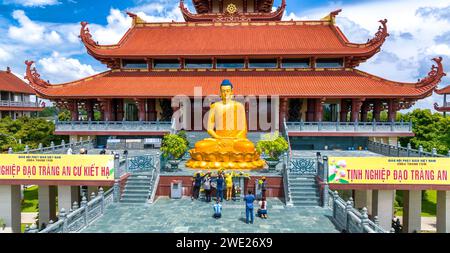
435 75
136 18
85 35
8 70
332 16
33 76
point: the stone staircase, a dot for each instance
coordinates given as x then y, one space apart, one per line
138 188
304 190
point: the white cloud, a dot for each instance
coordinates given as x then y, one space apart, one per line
30 32
118 24
62 69
4 55
416 28
32 3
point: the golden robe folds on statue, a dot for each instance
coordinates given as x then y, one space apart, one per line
229 147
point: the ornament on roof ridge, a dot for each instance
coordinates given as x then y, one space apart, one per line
231 8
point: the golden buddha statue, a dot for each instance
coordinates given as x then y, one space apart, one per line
229 147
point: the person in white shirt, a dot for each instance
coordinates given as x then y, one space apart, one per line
217 209
262 211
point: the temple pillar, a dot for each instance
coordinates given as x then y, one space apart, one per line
318 116
221 6
67 195
356 108
377 107
47 204
106 107
140 103
120 111
90 109
363 198
412 207
443 212
73 107
344 110
283 110
310 110
245 6
364 110
176 115
151 109
392 109
10 201
382 205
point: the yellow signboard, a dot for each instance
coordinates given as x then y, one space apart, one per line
389 170
56 167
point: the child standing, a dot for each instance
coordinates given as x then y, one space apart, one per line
217 209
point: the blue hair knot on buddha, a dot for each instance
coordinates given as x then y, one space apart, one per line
227 82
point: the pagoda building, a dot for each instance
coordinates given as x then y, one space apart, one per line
446 105
15 97
324 101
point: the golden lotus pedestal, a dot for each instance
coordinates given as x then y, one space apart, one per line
227 160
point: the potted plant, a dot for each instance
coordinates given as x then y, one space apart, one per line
273 146
2 224
173 147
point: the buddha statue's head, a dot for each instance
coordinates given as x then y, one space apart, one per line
226 91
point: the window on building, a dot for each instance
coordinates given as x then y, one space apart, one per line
230 63
295 63
166 64
134 64
4 95
198 63
262 63
329 63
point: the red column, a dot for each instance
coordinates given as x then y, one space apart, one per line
310 111
364 110
106 107
245 6
120 111
283 110
73 107
140 103
318 116
151 109
356 107
377 107
392 110
90 109
344 110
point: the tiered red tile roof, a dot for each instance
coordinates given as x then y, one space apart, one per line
10 82
348 83
445 90
215 39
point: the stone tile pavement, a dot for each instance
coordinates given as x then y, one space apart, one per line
186 216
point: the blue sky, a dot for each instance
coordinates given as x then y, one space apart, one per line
46 31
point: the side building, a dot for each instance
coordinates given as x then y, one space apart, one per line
16 97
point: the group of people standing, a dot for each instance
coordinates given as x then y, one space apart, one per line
224 181
220 182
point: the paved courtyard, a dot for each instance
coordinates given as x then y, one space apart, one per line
186 216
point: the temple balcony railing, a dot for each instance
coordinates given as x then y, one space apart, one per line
350 127
112 126
17 104
399 151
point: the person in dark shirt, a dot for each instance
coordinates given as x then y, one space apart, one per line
219 188
249 214
197 184
263 187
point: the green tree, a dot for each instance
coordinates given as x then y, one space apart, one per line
28 131
173 146
431 130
